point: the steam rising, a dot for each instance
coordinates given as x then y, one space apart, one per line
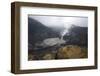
63 32
64 23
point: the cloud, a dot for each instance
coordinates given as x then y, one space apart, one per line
61 24
56 21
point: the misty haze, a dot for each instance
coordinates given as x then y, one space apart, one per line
57 37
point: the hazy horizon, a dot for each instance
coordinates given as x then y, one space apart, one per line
53 21
61 24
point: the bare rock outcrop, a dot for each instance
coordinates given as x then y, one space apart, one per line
71 52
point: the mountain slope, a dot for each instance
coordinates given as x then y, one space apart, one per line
37 32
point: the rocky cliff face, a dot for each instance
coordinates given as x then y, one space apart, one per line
71 52
37 32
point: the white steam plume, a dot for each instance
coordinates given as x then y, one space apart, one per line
63 32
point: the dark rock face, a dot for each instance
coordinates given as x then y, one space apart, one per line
37 32
77 36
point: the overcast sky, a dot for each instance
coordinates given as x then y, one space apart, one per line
64 23
51 21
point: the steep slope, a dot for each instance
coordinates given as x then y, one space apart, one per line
77 35
37 32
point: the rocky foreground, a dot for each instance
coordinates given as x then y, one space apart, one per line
59 52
